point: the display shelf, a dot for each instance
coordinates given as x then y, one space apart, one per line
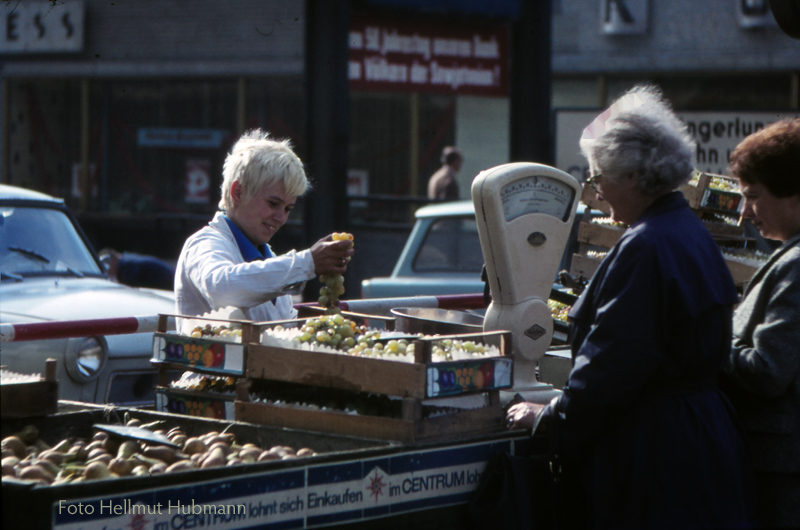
271 361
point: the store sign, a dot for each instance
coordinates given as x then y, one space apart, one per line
41 26
716 135
314 495
418 56
198 181
183 138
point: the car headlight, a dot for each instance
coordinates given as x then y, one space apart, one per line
85 362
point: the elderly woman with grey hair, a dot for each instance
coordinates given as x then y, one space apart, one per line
641 426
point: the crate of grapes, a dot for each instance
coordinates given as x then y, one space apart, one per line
199 395
378 384
601 232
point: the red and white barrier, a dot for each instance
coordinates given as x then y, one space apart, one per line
63 329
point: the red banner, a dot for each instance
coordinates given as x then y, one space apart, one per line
423 56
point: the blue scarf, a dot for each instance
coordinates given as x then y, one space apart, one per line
249 251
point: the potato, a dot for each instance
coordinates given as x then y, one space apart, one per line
194 445
180 465
160 452
16 445
35 472
120 466
96 471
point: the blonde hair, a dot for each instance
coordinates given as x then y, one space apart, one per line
256 161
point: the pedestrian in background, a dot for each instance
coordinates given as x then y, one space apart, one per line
763 376
138 270
443 186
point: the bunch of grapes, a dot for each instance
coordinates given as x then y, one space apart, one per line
367 345
559 310
210 331
330 330
445 348
334 283
607 221
723 184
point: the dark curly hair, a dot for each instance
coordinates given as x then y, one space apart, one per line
771 157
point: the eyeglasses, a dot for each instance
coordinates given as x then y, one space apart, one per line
592 180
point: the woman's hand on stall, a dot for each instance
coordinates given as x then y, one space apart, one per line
522 415
331 257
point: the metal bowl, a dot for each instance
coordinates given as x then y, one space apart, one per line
434 321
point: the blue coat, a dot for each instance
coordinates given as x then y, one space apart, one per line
641 417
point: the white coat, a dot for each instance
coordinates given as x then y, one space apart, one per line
211 274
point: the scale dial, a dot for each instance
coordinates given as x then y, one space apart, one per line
537 194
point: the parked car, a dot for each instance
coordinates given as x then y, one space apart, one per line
442 255
50 272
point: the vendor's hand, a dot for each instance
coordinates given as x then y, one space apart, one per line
331 257
522 415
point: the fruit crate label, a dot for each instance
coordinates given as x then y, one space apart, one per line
726 201
207 355
465 377
194 404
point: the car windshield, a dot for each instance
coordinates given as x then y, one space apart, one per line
451 245
41 241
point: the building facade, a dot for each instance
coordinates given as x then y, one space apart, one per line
127 108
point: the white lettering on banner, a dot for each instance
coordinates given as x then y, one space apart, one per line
401 55
460 75
379 69
393 42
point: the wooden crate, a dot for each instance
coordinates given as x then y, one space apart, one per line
410 428
598 235
741 272
693 191
422 381
26 396
417 380
589 198
200 404
703 197
722 230
584 266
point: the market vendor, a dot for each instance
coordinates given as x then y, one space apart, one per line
229 263
641 424
763 376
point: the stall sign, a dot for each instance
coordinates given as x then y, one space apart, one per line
422 56
41 26
198 181
716 133
306 497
